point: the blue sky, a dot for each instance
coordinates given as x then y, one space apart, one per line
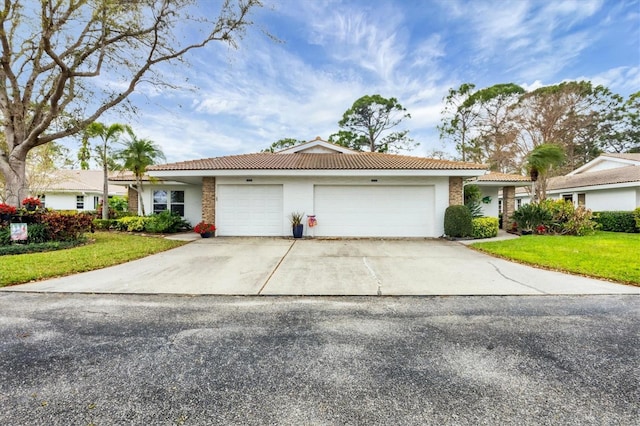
332 52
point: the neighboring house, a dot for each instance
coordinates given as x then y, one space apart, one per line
352 194
74 190
609 182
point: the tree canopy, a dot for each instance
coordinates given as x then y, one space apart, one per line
56 55
500 125
367 126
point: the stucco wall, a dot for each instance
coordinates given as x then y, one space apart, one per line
298 193
490 209
67 201
192 200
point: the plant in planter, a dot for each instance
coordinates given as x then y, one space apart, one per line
296 224
6 211
31 203
205 229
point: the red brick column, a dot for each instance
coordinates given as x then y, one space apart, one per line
508 205
209 199
456 191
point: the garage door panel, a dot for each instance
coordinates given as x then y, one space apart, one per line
370 211
249 210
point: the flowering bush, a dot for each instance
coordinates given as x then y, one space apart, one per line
7 209
31 202
203 227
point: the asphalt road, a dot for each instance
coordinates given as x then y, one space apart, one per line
125 359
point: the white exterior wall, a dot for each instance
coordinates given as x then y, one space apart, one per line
67 201
622 199
192 200
491 209
298 193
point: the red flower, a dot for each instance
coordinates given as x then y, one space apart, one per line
7 209
203 227
31 201
541 229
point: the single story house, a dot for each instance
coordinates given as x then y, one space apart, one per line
493 184
609 182
79 190
350 193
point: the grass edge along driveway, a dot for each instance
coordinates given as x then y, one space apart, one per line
607 255
108 249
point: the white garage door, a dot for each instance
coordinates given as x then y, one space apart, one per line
374 211
249 210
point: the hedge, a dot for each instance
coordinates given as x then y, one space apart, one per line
617 221
484 227
457 221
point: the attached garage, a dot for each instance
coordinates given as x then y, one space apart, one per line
351 193
374 211
249 210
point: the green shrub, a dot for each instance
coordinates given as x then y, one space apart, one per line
457 222
473 200
166 222
5 236
37 233
616 221
580 223
484 227
132 223
38 247
530 216
636 213
104 224
555 217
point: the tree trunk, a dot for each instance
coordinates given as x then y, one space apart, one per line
105 191
139 191
15 185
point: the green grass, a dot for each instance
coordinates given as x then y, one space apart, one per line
611 255
107 250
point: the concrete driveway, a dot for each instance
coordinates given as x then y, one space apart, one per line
280 266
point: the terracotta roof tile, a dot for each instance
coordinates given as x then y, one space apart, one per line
503 177
360 161
601 177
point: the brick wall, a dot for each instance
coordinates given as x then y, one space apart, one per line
209 199
456 191
509 205
132 200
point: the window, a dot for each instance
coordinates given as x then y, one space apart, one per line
518 203
168 200
500 206
582 198
567 197
80 202
42 200
96 202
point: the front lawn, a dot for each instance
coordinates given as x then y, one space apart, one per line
610 255
108 249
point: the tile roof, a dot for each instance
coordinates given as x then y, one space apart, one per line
503 177
601 177
78 181
299 161
634 157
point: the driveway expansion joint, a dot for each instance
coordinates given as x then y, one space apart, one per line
276 268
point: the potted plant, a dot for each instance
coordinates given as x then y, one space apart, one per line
205 229
6 211
31 203
296 224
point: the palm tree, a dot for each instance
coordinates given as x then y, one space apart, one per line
540 161
136 156
107 135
